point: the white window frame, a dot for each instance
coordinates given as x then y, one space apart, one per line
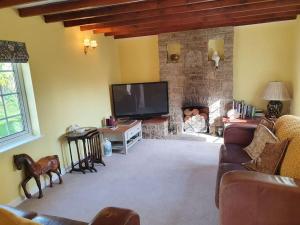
27 107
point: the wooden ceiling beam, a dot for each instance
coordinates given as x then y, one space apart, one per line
113 18
201 8
196 25
10 3
131 30
125 29
67 6
104 11
157 31
191 16
136 7
187 24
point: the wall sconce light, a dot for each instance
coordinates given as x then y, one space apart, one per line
173 52
87 43
216 51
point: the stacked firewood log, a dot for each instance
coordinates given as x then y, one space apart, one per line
195 120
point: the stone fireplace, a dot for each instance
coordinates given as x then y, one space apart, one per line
193 79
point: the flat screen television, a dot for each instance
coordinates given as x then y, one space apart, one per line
140 100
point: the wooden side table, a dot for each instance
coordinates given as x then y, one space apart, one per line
228 121
92 152
124 136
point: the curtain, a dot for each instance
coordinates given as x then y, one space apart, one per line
13 52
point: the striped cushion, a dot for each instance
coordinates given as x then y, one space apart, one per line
262 135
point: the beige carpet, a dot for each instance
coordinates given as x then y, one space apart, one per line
168 182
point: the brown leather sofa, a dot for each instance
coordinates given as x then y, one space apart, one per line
236 137
107 216
252 198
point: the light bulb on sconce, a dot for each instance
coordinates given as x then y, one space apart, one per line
93 44
87 43
216 58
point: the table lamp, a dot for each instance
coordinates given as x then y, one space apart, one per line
275 93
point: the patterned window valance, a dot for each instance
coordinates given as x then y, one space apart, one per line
14 52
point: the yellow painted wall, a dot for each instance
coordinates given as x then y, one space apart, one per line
139 59
70 87
262 53
296 80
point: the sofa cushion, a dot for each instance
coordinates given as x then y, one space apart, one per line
262 135
270 124
270 159
239 133
7 217
224 168
233 153
288 127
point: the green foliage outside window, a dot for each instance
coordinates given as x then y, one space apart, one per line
11 120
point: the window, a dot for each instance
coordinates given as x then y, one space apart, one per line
15 124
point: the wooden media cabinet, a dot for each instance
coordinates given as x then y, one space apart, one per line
123 137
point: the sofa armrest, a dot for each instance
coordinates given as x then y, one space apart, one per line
116 216
241 134
252 198
19 212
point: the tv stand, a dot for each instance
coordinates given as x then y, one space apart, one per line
149 118
124 136
126 122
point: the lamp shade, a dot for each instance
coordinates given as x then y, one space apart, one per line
276 91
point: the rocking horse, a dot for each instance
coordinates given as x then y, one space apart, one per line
46 165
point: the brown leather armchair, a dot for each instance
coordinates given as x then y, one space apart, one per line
252 198
107 216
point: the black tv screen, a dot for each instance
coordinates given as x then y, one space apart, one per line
140 99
